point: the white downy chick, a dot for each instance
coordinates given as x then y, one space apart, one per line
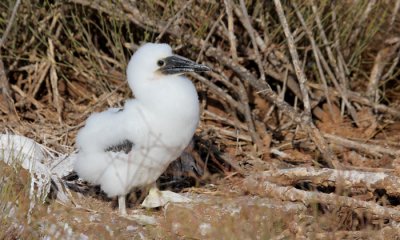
120 149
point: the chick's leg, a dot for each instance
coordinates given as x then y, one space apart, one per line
122 205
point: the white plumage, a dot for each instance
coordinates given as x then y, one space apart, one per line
159 123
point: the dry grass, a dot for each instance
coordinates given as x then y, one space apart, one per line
64 60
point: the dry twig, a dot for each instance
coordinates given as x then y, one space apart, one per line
346 179
231 30
375 150
306 123
5 97
247 24
316 56
295 57
381 59
268 189
339 74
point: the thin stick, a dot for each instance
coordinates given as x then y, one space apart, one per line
393 67
295 57
249 119
4 84
177 15
231 32
394 14
383 56
341 61
359 23
54 80
356 97
265 188
220 92
251 31
10 23
265 89
212 30
5 95
339 74
347 179
367 148
259 40
316 56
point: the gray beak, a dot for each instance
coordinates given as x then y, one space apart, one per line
178 65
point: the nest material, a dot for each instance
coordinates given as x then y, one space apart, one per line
297 85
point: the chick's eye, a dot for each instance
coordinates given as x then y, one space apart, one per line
160 63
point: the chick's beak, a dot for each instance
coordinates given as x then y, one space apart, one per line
177 65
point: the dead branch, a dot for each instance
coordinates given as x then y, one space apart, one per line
394 14
6 101
249 119
295 57
316 56
357 97
362 19
387 233
212 30
268 189
249 28
381 59
177 15
54 80
265 90
307 125
10 23
375 150
389 73
231 32
344 178
220 92
339 74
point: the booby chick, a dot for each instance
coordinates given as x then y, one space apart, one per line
120 149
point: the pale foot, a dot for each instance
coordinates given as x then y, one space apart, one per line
157 198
